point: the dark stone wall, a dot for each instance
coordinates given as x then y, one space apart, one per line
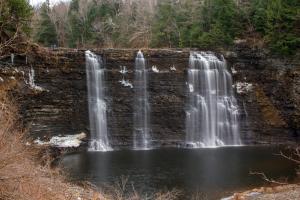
166 95
269 111
272 105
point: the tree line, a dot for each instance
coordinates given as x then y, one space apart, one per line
168 23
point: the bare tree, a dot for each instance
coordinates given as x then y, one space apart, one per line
13 25
59 16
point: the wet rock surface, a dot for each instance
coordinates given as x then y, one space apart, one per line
269 109
271 106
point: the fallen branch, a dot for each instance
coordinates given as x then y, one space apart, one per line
290 157
269 180
10 41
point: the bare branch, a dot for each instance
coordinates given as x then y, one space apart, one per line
290 157
264 177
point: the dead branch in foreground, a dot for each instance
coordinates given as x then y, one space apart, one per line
265 178
290 157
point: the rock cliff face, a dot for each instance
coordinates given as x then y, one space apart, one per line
268 92
268 89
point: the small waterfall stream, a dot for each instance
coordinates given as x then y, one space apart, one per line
12 58
141 104
212 113
31 75
97 105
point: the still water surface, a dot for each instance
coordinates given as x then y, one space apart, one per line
211 172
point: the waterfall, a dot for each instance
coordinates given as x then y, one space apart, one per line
31 75
12 58
212 112
31 81
141 105
97 105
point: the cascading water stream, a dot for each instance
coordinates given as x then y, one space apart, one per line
141 105
212 112
31 75
97 105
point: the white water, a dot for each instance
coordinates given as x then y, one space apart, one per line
97 105
173 68
31 81
212 111
12 58
141 105
63 141
123 70
31 75
126 83
155 69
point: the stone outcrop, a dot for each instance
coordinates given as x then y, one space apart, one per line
272 103
268 93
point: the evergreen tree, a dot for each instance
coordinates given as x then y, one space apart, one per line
105 15
277 20
165 28
171 23
46 33
193 24
84 20
220 23
15 18
74 23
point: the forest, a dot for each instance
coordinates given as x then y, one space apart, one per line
204 24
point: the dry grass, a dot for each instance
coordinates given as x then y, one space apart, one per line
122 190
21 176
24 174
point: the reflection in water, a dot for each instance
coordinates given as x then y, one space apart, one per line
212 172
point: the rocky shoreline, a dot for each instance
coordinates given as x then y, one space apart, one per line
286 192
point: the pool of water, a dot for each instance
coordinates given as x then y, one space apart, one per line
210 172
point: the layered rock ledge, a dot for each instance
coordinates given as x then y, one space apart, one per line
267 89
